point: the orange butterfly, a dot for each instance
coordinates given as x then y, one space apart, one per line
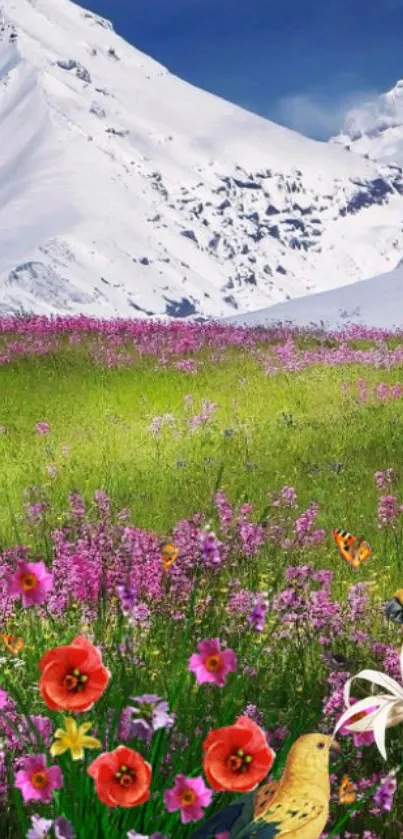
169 555
12 643
346 791
354 551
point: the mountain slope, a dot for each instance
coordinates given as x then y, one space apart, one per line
125 190
375 302
376 128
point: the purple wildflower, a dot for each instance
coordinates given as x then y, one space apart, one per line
388 510
383 797
63 828
149 714
127 597
210 553
257 617
42 428
40 828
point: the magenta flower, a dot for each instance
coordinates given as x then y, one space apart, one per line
224 835
3 698
189 795
42 428
36 782
363 738
32 580
383 797
211 664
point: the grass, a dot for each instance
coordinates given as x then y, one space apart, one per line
299 429
280 427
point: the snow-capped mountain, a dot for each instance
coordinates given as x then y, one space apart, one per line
376 128
377 302
126 191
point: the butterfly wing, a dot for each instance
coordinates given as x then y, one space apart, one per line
354 551
169 554
12 643
346 791
346 544
364 552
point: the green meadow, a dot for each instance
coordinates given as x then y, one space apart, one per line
307 429
267 431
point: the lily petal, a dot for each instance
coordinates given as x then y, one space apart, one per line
59 733
380 679
91 743
379 729
77 751
363 705
396 714
57 749
71 726
84 728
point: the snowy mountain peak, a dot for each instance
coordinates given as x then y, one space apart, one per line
376 128
125 190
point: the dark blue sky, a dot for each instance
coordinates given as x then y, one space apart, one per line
299 62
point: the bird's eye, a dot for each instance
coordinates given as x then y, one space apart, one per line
320 745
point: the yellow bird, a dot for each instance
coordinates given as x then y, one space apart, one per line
296 807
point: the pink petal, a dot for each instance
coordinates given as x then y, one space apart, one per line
191 814
171 800
194 662
13 584
55 776
230 660
210 646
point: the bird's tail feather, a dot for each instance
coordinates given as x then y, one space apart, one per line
220 822
258 830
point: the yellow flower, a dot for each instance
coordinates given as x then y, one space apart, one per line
74 738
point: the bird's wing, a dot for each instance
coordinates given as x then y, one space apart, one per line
264 797
291 812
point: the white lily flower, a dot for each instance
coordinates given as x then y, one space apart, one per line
387 708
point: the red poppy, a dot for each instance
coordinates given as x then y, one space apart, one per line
237 757
73 677
122 778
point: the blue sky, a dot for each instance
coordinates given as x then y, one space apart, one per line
300 63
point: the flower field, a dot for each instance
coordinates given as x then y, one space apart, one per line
176 610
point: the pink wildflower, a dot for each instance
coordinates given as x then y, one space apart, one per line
189 795
36 782
42 428
32 580
211 664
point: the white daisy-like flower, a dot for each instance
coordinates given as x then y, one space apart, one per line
376 712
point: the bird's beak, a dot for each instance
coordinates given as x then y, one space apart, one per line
335 748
